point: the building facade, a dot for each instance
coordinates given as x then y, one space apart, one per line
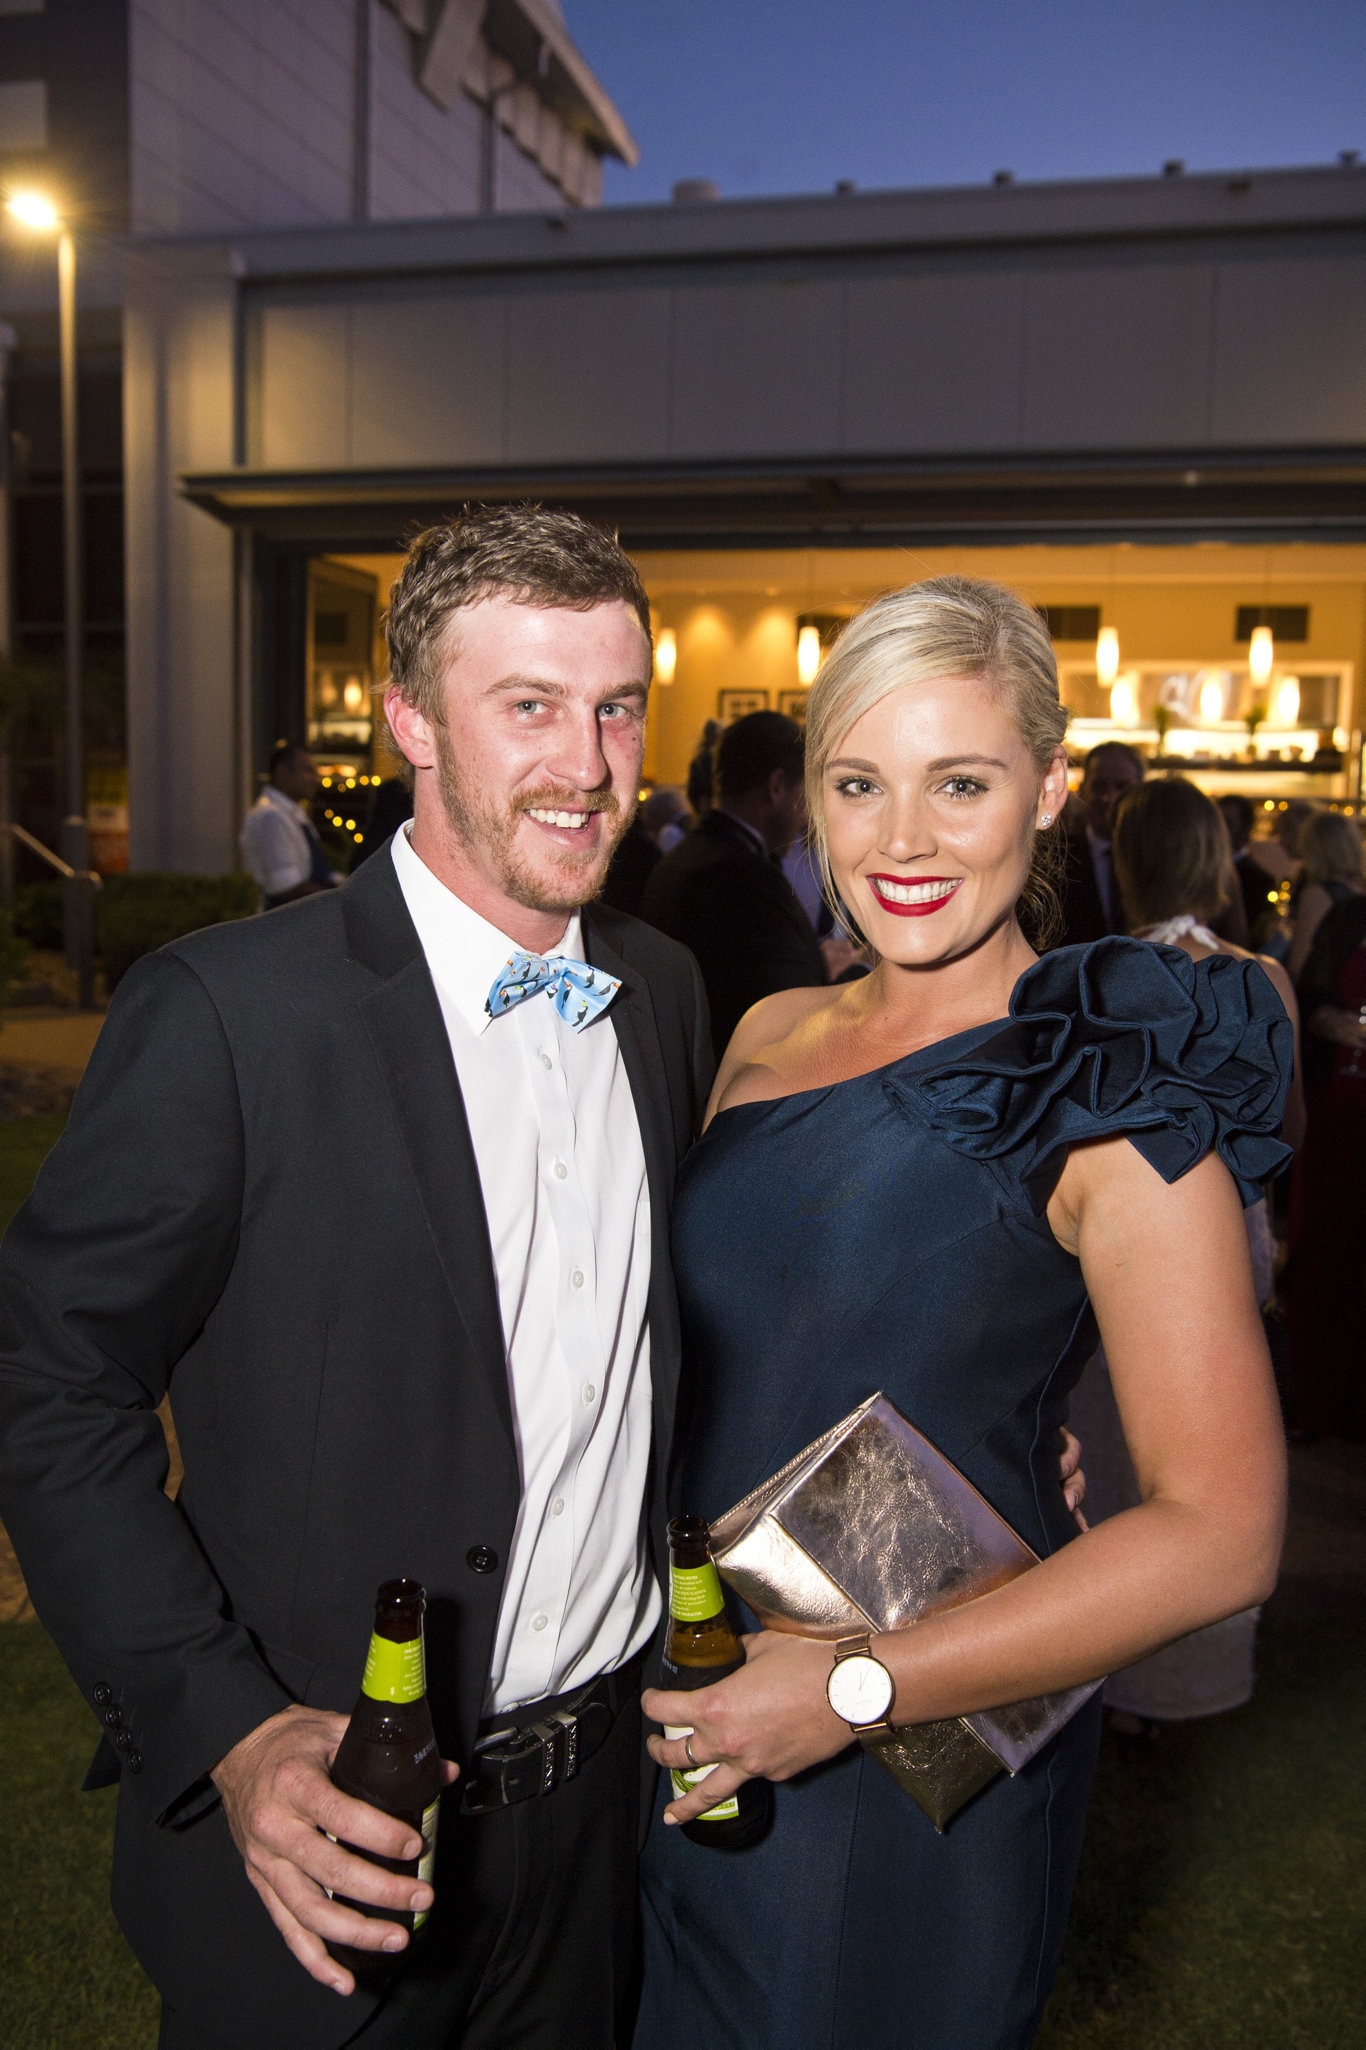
1141 402
153 118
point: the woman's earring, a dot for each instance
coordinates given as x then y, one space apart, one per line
1045 822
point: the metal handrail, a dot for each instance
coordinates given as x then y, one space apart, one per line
63 868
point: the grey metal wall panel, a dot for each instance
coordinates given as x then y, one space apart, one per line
427 381
1291 361
1118 355
932 362
588 374
304 377
756 368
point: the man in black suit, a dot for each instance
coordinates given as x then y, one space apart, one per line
1256 888
721 891
1091 905
476 1390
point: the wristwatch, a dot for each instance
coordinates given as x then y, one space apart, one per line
860 1688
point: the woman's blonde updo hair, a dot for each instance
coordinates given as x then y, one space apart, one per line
948 626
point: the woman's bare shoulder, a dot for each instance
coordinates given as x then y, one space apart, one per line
765 1043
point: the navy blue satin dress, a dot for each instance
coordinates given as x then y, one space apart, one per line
888 1233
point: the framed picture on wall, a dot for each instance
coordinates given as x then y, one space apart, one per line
738 704
793 702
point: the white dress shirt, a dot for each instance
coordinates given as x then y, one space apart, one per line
277 846
562 1171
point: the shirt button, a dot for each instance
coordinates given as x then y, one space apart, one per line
576 1278
561 1171
480 1559
589 1392
539 1622
557 1506
546 1061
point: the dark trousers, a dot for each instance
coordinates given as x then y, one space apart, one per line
532 1943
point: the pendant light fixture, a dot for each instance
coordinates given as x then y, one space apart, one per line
808 654
1261 655
666 656
1107 656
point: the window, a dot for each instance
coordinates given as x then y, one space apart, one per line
1287 622
1071 622
23 114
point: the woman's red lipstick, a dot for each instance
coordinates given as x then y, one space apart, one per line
941 889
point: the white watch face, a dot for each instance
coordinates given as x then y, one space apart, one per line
860 1689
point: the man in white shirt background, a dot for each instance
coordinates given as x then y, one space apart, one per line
281 848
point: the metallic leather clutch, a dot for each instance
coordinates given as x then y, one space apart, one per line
870 1528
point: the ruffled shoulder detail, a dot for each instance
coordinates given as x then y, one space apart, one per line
1118 1038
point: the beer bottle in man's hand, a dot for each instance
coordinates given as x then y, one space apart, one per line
701 1648
388 1755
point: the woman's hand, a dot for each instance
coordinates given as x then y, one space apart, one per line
768 1721
1344 1028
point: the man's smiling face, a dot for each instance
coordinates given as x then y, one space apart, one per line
525 788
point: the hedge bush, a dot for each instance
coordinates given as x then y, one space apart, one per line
136 914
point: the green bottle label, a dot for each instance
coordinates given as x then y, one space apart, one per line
694 1593
394 1672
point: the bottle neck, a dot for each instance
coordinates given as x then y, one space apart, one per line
395 1672
695 1593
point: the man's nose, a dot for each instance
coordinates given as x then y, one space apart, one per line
577 758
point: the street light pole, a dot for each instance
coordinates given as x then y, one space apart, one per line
79 909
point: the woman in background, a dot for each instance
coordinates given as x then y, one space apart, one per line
1173 859
1330 844
1326 1270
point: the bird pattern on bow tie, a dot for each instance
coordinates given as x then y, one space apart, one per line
580 993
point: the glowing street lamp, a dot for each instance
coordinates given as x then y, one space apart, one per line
36 212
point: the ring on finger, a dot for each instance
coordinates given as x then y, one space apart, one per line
687 1752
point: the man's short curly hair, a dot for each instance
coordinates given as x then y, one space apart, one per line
529 553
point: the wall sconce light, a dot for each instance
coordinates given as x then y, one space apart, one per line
666 656
1288 701
1261 653
1107 655
808 654
353 694
1123 695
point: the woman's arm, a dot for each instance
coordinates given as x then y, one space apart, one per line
1309 915
1170 1278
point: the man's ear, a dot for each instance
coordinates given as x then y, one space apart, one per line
412 731
779 784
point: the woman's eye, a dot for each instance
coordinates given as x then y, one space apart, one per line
963 786
854 786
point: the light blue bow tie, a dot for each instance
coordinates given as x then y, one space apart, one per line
581 993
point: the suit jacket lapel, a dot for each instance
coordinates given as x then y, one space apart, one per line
402 1016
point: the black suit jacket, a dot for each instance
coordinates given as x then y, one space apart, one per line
340 1392
736 911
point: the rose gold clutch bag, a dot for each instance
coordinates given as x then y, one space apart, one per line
870 1528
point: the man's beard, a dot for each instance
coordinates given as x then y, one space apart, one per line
568 880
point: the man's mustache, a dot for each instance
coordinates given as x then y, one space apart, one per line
574 800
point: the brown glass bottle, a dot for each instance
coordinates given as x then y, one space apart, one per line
699 1649
388 1755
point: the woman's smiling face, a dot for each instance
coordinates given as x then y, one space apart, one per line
932 800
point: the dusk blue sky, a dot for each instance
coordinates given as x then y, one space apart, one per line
774 96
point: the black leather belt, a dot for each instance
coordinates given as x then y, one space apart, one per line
534 1749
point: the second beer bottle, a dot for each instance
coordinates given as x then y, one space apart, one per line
700 1649
388 1755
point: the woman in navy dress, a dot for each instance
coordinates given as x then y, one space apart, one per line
937 1182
